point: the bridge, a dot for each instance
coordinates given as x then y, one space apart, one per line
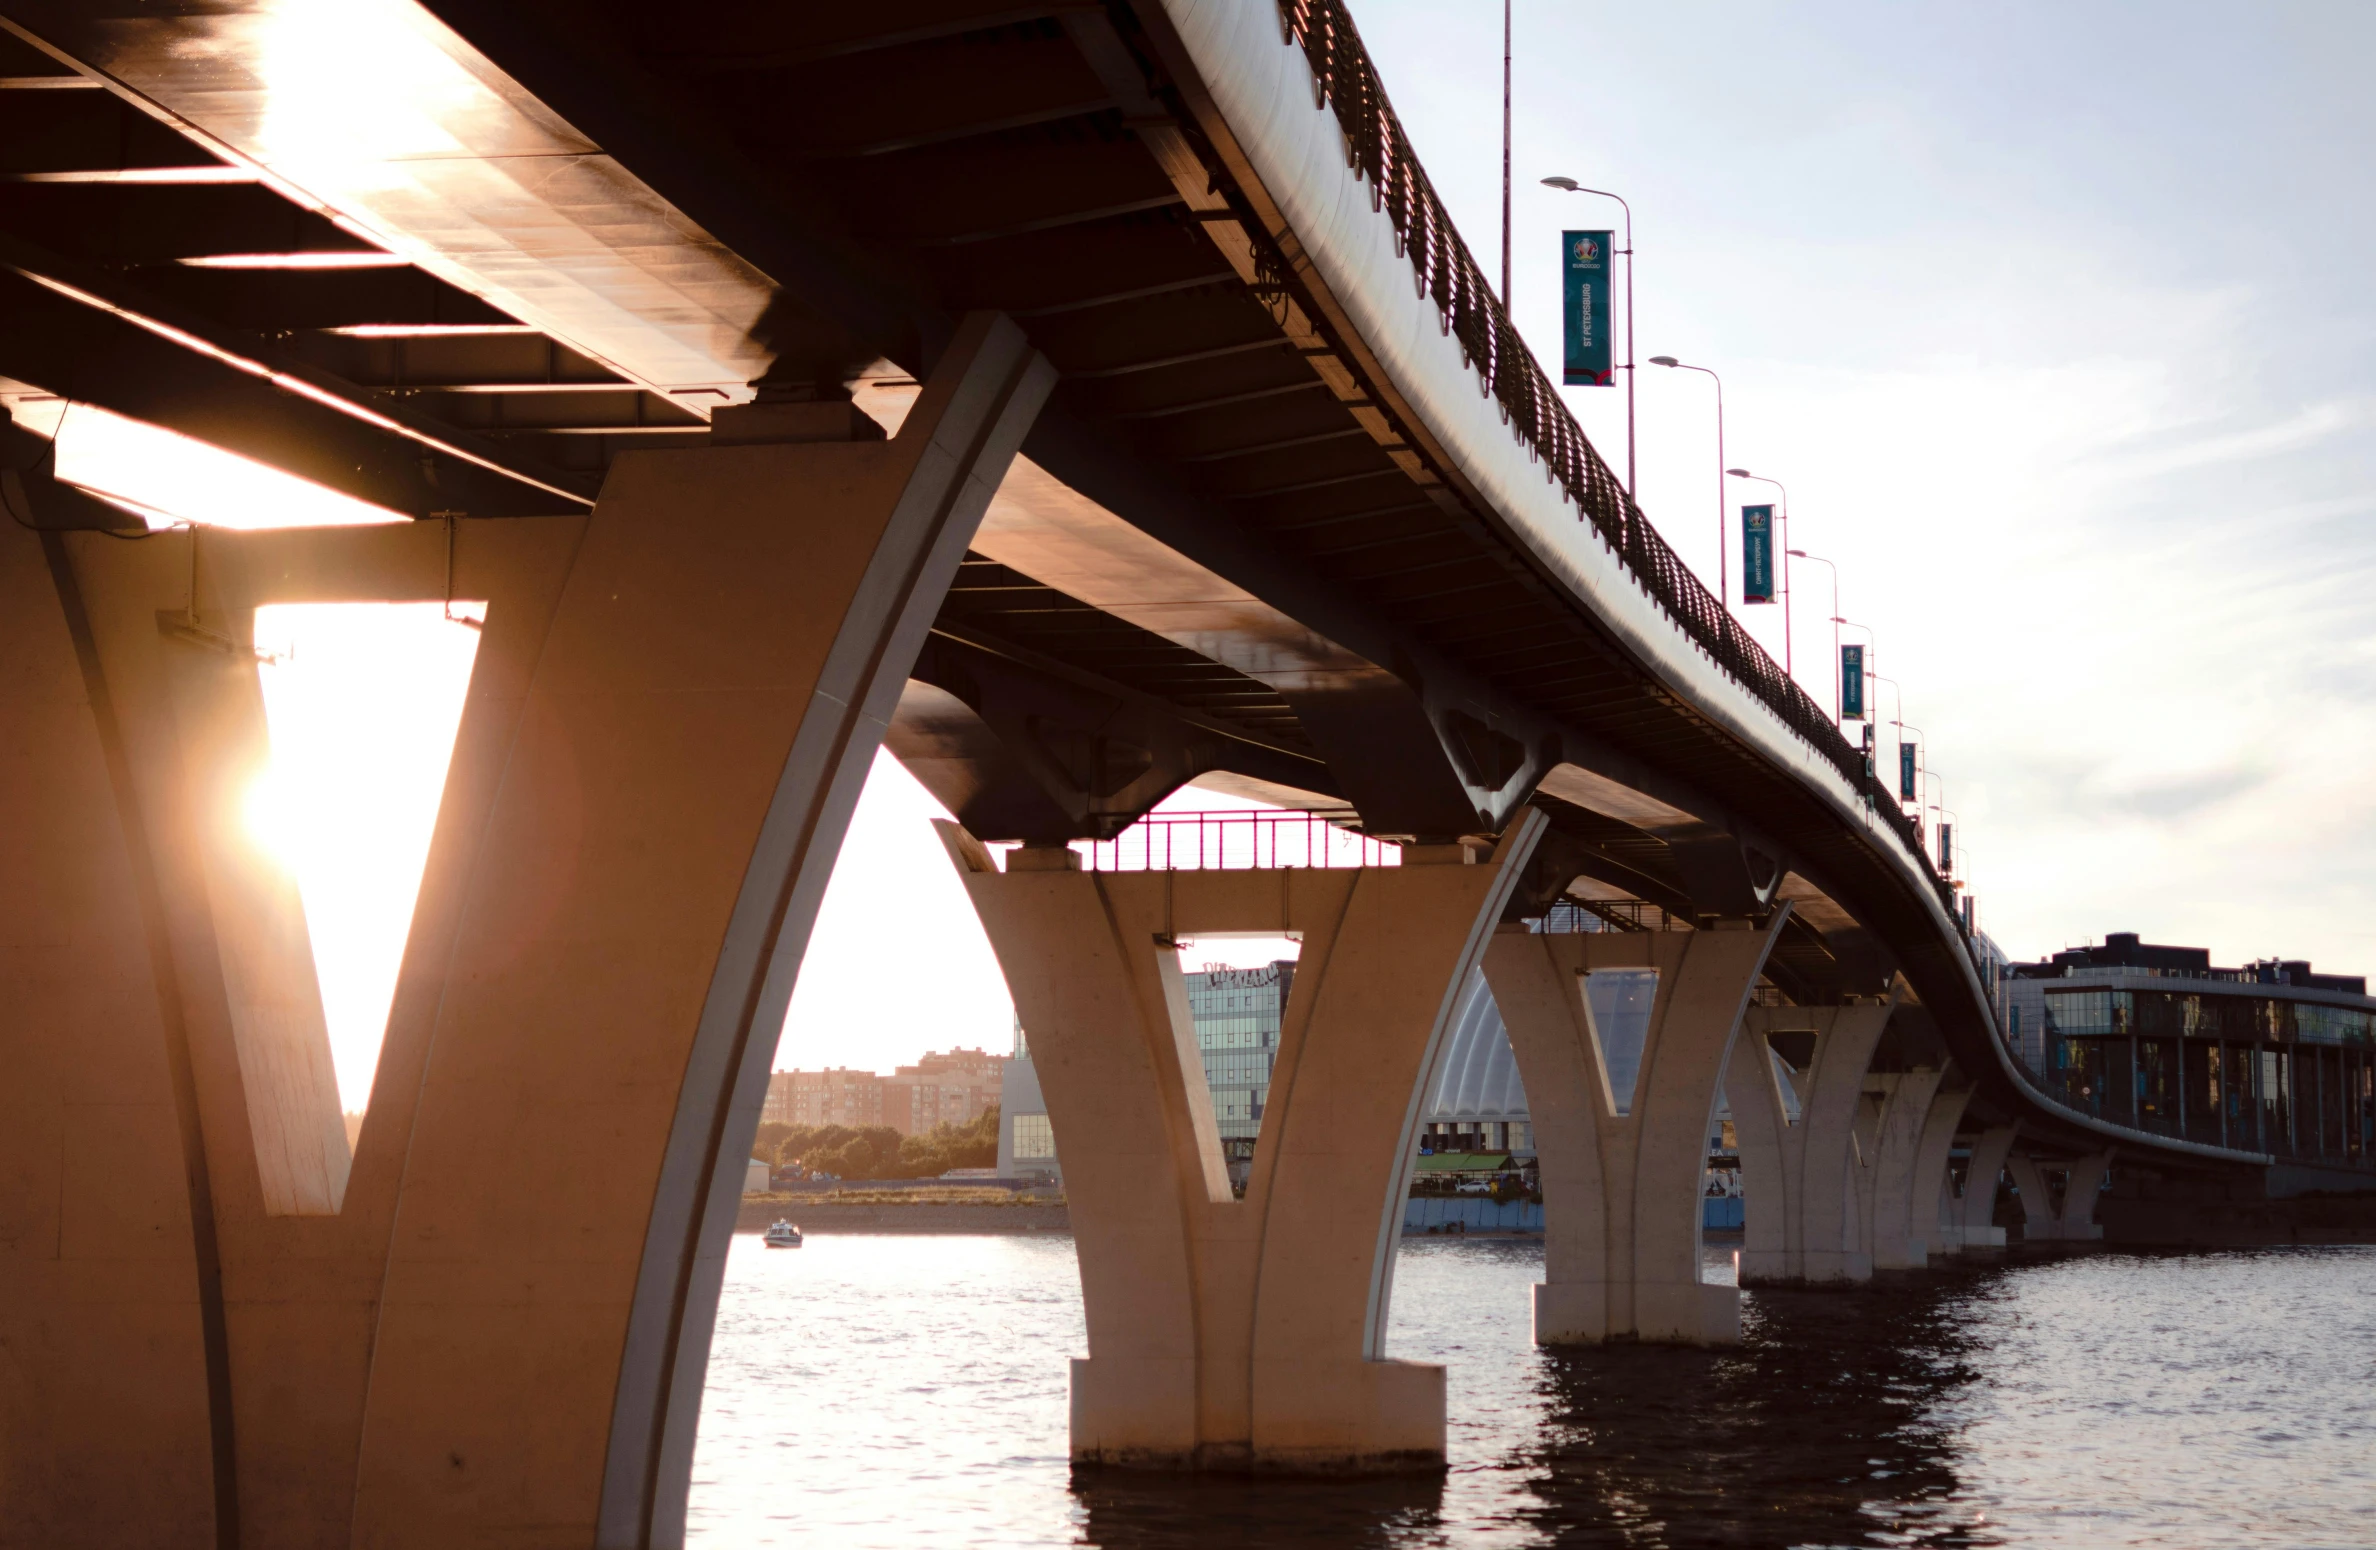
1079 400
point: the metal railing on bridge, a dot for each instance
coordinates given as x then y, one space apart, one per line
1381 155
1236 841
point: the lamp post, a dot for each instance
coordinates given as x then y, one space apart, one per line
1570 185
1722 543
1505 295
1898 721
1743 473
1894 692
1835 570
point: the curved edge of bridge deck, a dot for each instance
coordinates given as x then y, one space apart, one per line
1257 97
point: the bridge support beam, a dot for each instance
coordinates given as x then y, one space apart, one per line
490 1323
1969 1219
1916 1132
1804 1220
1241 1333
110 1285
1624 1151
2072 1219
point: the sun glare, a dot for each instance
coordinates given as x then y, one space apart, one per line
267 813
363 701
164 477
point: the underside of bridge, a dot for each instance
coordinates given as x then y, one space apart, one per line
942 375
1248 564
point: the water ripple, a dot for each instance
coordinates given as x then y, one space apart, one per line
897 1391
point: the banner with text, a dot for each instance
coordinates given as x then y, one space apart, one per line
1906 771
1757 554
1584 288
1852 690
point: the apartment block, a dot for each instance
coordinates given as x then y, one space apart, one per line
950 1087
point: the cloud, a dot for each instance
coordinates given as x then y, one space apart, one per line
2170 798
2194 450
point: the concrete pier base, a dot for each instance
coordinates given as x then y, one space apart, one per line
1249 1333
1623 1162
1664 1312
1957 1239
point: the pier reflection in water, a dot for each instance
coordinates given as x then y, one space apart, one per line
910 1391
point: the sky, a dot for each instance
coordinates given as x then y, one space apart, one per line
2052 318
2054 321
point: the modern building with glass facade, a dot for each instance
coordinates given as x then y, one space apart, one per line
1026 1141
1477 1103
1238 1014
2269 1057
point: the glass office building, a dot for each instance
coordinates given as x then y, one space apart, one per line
1026 1139
1238 1013
2270 1057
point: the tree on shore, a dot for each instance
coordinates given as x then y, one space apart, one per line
878 1151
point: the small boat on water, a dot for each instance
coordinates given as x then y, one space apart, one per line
783 1235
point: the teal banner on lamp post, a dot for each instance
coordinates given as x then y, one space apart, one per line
1852 677
1757 554
1584 294
1906 771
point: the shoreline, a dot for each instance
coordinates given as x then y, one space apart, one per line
831 1218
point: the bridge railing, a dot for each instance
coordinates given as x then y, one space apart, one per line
1381 155
1236 841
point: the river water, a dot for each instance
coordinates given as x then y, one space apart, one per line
909 1391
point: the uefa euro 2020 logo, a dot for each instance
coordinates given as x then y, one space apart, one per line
1587 251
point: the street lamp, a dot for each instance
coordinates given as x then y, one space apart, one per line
1722 543
1835 570
1787 551
1897 694
1570 185
1894 690
1505 295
